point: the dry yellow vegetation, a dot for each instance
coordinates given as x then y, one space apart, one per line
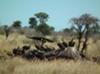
21 66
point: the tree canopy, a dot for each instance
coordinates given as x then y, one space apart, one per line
82 25
33 22
16 24
43 17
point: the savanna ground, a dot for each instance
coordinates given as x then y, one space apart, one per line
18 65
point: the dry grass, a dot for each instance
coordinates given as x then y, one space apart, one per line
13 41
22 66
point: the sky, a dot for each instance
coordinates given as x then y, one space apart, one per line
59 11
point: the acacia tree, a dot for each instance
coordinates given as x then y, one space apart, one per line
43 27
43 17
16 24
33 22
77 27
6 31
82 26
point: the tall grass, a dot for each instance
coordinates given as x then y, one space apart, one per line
18 65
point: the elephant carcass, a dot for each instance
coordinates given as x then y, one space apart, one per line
69 53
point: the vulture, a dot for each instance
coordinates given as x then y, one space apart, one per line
43 39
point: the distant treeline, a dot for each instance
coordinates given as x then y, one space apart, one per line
38 26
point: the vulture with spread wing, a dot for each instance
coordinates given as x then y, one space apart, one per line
41 39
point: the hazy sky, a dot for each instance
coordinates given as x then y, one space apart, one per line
60 11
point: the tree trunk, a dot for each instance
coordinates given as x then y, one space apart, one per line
86 40
84 45
6 33
79 41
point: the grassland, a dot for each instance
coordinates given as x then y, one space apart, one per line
18 65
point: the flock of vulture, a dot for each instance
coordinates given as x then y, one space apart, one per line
65 51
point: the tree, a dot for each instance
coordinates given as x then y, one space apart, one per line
68 30
43 17
6 31
43 27
77 27
16 24
33 22
82 26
